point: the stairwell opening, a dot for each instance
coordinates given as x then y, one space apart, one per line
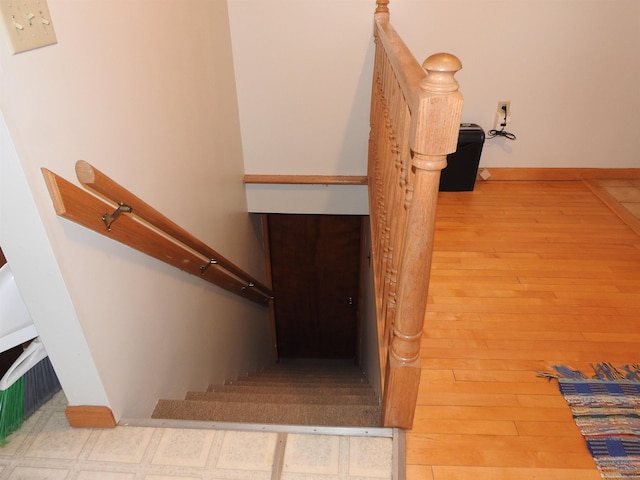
319 267
323 375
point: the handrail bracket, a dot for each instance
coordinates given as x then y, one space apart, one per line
109 218
203 268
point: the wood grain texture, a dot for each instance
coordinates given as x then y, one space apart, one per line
525 275
543 174
73 203
415 121
315 262
84 416
96 181
602 193
306 179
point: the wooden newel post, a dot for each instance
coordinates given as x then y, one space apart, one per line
434 134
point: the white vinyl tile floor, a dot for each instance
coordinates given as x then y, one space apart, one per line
46 448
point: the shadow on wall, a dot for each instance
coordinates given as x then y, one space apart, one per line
8 356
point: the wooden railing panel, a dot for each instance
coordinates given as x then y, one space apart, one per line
390 120
415 121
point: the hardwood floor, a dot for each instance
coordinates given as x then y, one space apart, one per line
622 196
526 275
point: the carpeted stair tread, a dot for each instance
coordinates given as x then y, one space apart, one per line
298 377
270 413
315 363
299 388
306 374
298 381
287 398
333 393
302 378
352 370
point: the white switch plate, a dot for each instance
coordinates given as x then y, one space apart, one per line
27 23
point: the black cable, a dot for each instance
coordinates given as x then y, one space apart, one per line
502 132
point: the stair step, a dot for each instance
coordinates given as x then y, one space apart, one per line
298 388
312 369
288 398
331 369
278 379
319 363
270 413
307 374
294 392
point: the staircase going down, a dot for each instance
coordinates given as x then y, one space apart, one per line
294 392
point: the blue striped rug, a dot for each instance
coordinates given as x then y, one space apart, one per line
606 408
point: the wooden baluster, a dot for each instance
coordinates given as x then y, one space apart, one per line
377 202
397 188
382 6
397 165
390 167
434 133
380 172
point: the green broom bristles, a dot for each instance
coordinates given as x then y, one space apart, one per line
11 409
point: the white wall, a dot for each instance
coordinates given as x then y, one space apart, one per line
304 80
33 263
144 90
569 67
303 70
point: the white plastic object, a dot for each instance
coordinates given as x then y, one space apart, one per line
16 326
29 358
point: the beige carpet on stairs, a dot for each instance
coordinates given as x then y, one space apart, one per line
293 392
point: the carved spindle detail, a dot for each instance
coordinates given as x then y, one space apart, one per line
382 6
415 115
435 124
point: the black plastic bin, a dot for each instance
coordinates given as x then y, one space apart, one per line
462 166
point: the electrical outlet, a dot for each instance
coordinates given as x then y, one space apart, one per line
503 115
504 106
27 23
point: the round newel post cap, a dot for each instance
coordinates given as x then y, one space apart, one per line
441 69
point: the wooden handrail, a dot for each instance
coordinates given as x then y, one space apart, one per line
147 230
415 121
306 179
98 182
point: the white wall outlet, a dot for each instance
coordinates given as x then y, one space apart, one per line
503 115
27 24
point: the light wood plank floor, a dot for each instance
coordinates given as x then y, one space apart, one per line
526 275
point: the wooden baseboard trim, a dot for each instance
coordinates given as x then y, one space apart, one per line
532 174
306 179
84 416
